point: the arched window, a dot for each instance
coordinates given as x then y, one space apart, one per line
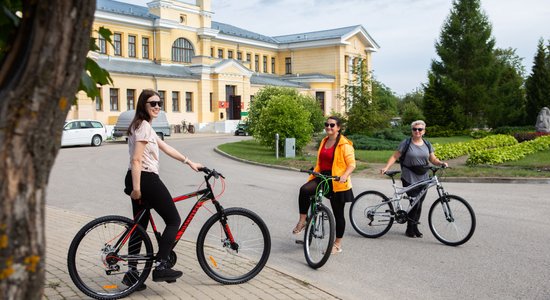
182 50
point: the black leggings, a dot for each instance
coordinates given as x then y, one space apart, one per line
154 194
415 212
308 189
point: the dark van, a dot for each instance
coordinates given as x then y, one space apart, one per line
160 124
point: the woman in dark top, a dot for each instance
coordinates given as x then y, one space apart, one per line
418 154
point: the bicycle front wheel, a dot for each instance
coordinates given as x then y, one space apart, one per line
371 214
238 262
452 220
108 261
319 237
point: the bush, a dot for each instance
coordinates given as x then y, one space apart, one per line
478 134
528 136
285 115
449 151
512 129
362 142
439 131
392 134
510 153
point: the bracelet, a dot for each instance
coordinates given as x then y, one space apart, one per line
186 160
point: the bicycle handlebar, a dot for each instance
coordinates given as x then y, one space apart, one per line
317 174
212 172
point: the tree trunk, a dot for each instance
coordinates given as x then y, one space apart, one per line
39 78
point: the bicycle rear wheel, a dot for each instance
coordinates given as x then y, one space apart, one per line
240 262
319 237
371 214
452 220
99 259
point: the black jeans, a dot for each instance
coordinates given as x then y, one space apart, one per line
308 189
415 212
154 194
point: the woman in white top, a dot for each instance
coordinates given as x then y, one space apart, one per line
144 186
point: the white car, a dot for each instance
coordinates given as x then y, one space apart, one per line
83 132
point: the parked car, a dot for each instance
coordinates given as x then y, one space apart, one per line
83 132
242 129
160 124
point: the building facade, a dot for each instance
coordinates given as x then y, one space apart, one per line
208 72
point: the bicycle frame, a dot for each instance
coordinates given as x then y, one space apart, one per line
400 192
205 194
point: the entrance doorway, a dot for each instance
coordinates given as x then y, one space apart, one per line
234 109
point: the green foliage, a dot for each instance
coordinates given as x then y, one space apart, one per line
362 142
449 151
285 115
264 96
464 80
317 118
478 134
371 104
411 112
510 153
392 134
93 75
9 22
537 85
510 130
507 106
441 131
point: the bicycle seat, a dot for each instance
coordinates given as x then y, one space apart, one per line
392 173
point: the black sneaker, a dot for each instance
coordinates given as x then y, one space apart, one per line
163 273
131 277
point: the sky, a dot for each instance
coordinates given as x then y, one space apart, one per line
405 30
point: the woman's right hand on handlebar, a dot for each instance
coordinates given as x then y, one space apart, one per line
195 166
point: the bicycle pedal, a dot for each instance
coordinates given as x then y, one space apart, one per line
301 242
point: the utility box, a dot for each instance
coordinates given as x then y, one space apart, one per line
290 147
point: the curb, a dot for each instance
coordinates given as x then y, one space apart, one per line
512 180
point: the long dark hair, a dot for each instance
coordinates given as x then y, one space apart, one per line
141 111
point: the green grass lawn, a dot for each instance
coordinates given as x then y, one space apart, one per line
369 161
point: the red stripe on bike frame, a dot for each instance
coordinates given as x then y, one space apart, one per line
129 234
231 239
152 223
188 219
184 197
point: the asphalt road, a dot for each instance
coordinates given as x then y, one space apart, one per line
507 258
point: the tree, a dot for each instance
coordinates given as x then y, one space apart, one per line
263 97
372 104
464 80
537 85
286 116
507 106
41 67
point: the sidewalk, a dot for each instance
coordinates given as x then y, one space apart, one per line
61 226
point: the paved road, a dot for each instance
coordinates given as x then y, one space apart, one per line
507 258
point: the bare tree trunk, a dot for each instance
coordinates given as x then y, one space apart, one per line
39 78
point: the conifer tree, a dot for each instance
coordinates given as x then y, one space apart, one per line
463 81
537 85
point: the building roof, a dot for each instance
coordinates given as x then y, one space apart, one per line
239 32
143 67
274 80
315 35
124 8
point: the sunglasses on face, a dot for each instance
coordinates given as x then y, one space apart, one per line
417 129
155 103
331 125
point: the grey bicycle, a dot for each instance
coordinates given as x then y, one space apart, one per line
451 219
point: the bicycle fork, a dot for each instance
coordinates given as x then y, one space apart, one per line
229 239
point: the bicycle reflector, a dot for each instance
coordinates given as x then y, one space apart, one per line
213 261
110 287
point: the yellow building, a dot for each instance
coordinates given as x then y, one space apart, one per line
208 72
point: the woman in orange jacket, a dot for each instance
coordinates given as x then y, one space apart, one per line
335 157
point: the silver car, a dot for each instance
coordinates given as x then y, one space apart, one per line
83 132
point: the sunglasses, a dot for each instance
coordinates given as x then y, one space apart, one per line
331 125
155 103
417 129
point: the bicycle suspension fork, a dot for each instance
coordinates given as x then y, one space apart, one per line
223 220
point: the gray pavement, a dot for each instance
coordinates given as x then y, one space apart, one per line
62 225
